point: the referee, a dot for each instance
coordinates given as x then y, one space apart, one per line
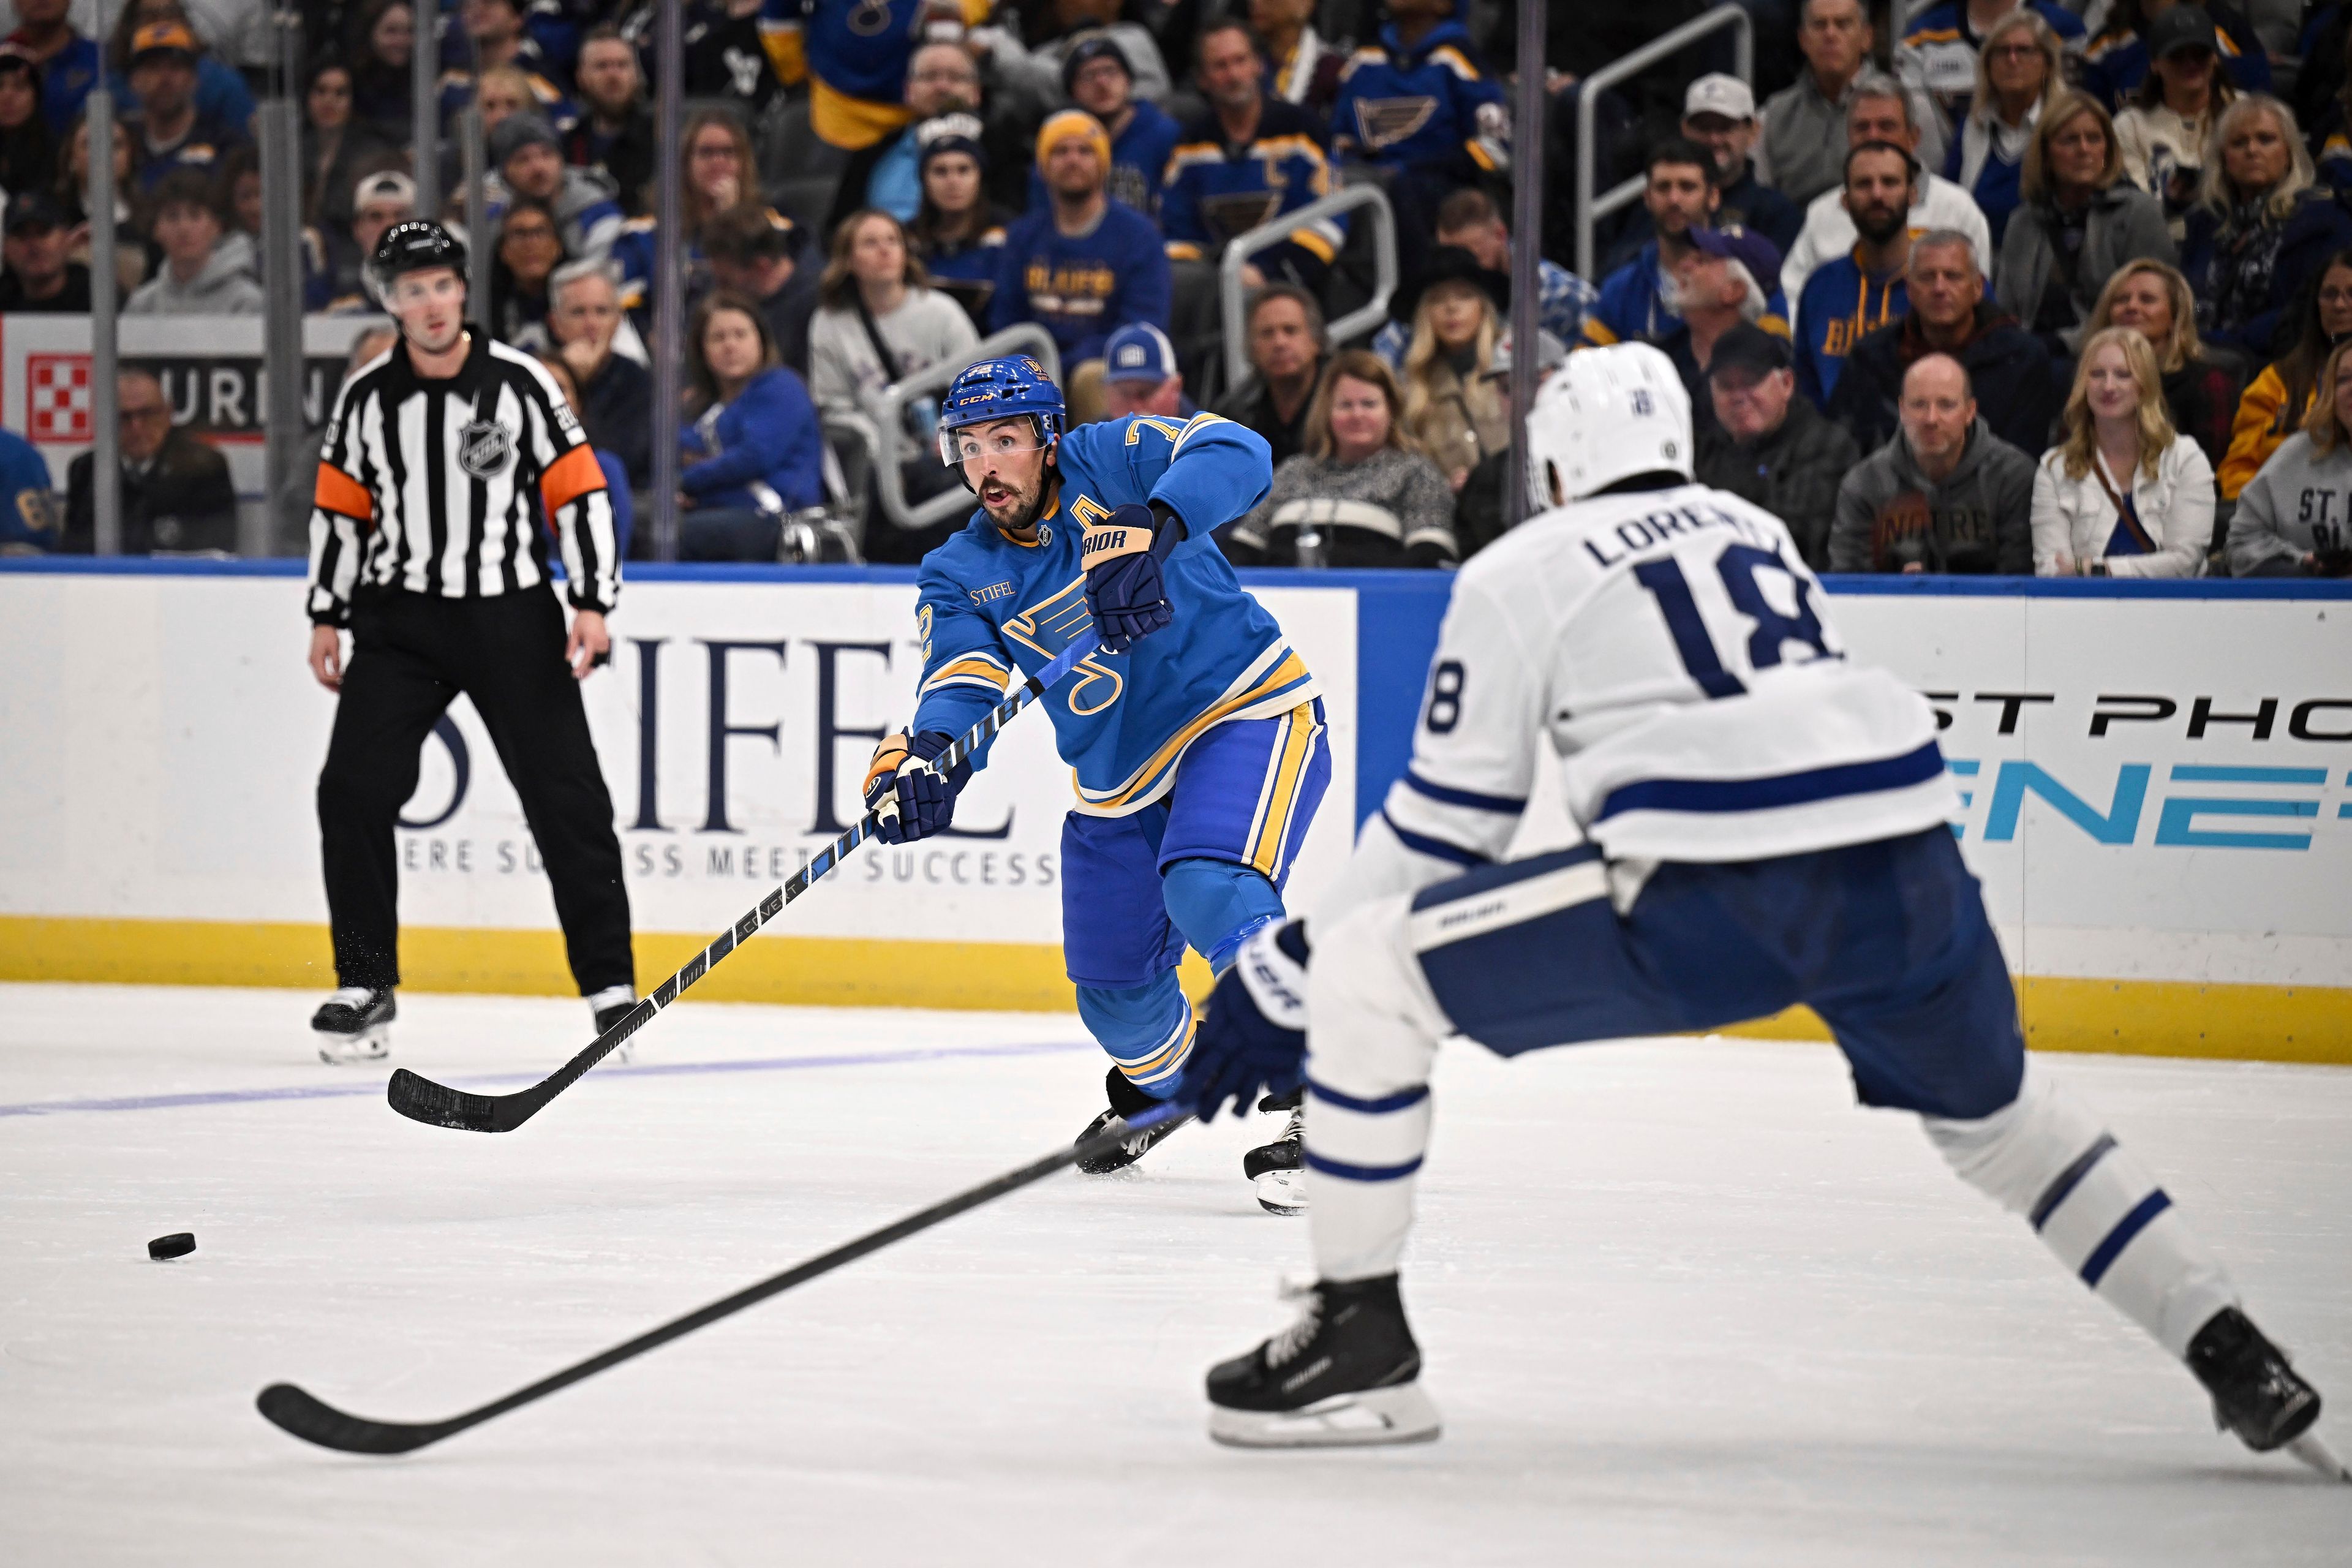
424 541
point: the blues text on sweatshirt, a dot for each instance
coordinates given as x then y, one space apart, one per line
1081 287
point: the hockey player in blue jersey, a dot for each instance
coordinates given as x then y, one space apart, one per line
1764 823
1196 733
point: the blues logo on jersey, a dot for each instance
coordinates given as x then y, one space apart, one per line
990 604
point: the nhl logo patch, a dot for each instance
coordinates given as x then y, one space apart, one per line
484 447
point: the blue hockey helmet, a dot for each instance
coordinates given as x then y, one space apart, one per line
992 389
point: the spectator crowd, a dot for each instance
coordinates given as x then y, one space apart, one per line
1987 286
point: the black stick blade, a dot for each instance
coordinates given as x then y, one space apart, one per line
292 1410
438 1105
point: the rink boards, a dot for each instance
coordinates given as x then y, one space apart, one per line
2155 783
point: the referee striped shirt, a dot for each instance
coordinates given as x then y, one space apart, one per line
435 487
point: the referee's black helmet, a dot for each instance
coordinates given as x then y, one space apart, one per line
417 245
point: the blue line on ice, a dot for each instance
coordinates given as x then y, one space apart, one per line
375 1087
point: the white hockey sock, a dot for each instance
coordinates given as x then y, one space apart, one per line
2101 1211
1373 1033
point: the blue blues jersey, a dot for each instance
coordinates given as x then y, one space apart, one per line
201 149
66 79
990 605
1433 103
1840 306
854 54
1138 161
859 48
1216 190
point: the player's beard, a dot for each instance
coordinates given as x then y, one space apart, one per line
1022 515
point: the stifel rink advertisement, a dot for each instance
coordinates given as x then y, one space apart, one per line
2157 791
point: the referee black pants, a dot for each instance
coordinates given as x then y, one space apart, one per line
411 656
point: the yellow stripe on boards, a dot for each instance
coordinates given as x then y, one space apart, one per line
827 971
2153 1018
2310 1024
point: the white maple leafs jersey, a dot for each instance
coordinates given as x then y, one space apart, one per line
1675 651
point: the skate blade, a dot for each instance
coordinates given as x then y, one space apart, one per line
1282 1192
1376 1416
343 1050
2315 1453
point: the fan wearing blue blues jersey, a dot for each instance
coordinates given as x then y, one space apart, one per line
1195 734
1764 823
853 55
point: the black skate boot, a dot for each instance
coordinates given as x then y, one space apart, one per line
610 1006
352 1024
2256 1394
1126 1100
1278 1170
1345 1374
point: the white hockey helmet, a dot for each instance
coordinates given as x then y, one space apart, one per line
1608 413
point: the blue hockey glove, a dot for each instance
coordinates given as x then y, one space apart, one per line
914 801
1127 593
1254 1036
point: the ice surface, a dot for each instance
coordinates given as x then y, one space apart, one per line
1681 1302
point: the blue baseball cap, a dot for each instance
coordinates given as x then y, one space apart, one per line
1750 249
1138 352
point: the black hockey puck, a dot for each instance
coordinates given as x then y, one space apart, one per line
179 1243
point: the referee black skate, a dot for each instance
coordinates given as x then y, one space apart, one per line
424 544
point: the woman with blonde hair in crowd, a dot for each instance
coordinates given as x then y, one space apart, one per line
1361 494
2260 228
2020 78
1452 410
2079 221
2200 389
2294 519
2121 494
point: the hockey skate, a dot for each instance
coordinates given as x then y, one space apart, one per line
355 1025
1126 1100
2256 1393
610 1006
1278 1170
1345 1374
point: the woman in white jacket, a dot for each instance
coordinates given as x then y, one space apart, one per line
2122 494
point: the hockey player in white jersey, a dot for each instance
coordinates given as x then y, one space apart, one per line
1765 824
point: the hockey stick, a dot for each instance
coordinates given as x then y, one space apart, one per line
315 1421
421 1100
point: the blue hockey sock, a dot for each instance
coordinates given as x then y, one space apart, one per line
1217 904
1147 1029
